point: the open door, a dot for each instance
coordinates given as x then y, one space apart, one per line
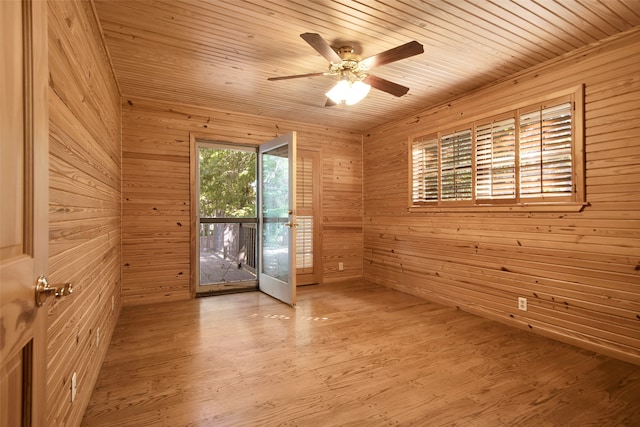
24 170
277 219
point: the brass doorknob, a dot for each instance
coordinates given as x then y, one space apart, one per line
43 290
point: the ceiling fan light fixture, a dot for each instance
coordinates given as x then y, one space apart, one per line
352 70
346 92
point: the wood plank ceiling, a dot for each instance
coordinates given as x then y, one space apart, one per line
219 53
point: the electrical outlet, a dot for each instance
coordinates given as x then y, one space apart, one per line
522 303
341 266
74 386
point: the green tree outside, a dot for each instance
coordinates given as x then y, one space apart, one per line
227 183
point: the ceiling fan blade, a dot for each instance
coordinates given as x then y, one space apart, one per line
386 85
322 47
296 76
392 55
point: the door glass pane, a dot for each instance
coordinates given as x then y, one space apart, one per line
275 253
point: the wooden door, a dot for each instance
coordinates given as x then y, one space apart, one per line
24 193
308 255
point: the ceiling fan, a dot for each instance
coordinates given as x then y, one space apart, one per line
353 72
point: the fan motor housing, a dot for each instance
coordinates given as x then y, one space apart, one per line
347 53
350 65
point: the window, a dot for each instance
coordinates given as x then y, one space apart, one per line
496 160
455 166
545 152
527 155
425 169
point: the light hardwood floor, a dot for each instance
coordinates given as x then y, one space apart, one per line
349 354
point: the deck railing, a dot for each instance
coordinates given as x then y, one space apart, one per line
233 240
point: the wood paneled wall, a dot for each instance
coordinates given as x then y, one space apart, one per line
85 206
579 271
156 211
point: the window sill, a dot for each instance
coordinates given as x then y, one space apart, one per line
522 207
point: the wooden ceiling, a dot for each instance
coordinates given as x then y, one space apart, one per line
219 53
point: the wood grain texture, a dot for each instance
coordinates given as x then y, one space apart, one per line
579 270
24 187
84 206
156 191
350 354
221 52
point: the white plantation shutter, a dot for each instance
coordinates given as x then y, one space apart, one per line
496 160
304 242
545 152
425 169
524 156
304 203
455 166
304 184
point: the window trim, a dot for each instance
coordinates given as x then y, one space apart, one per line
574 203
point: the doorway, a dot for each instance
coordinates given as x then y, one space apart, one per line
226 232
226 240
